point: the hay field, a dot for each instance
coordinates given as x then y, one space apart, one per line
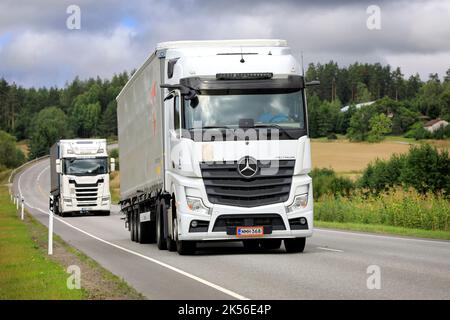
351 157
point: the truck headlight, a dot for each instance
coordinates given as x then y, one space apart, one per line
196 205
300 202
68 202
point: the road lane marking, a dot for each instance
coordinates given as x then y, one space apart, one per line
330 249
39 185
379 236
163 264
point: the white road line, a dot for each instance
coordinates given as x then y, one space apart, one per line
165 265
380 236
329 249
39 175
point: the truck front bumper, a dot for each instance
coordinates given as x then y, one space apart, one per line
287 227
74 206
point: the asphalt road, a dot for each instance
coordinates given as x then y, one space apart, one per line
334 265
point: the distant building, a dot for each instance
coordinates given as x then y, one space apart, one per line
435 124
357 106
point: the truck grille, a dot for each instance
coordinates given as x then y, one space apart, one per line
224 185
86 194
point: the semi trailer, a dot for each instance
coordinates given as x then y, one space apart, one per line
79 177
214 146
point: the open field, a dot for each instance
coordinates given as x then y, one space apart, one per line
350 157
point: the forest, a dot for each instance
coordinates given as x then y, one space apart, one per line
87 108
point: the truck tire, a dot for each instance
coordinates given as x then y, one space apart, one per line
171 242
132 227
270 244
160 239
144 232
294 245
183 247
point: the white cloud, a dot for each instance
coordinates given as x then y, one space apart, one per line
41 51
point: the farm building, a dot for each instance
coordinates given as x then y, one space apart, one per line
435 124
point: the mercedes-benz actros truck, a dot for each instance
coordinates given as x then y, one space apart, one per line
79 177
213 139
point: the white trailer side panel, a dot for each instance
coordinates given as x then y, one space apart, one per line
140 129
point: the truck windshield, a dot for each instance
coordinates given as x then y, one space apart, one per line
85 166
284 110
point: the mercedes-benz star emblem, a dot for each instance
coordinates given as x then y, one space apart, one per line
247 167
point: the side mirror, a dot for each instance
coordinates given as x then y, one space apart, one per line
312 83
58 166
113 164
170 96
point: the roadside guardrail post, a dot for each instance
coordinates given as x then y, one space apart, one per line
50 226
23 209
17 202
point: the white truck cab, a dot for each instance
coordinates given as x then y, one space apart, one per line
80 176
214 145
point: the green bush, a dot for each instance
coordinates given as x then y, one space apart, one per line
325 181
399 208
424 168
10 155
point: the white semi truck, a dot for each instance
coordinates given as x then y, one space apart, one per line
214 145
79 177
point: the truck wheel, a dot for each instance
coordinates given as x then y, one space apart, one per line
160 240
132 227
144 232
183 247
294 245
251 244
270 244
171 243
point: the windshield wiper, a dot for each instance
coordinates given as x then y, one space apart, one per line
273 125
210 127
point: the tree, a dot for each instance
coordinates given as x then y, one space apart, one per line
10 155
108 125
379 126
359 124
50 125
362 93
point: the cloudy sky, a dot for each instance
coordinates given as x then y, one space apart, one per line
37 48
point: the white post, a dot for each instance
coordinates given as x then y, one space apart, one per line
17 203
23 209
50 227
50 233
14 199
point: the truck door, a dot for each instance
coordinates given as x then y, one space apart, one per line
175 133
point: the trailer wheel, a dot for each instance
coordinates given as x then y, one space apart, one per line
160 240
294 245
144 231
132 227
270 244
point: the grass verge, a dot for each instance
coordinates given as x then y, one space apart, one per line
382 229
27 272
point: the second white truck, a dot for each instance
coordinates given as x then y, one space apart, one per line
79 177
213 139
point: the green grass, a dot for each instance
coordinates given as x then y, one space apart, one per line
25 272
398 211
377 228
